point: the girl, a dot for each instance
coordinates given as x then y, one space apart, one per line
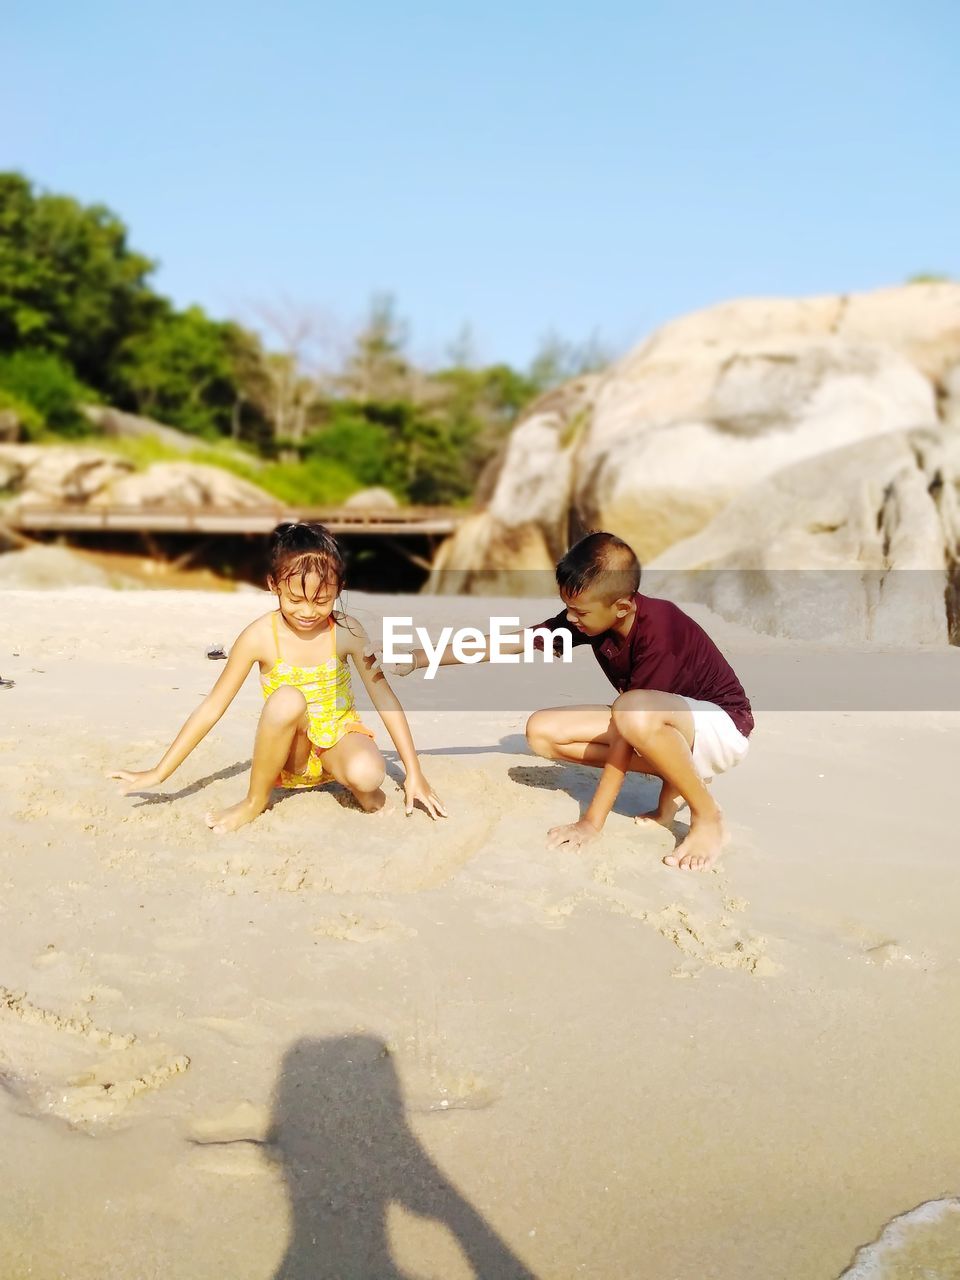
309 731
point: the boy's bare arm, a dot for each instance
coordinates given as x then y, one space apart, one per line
201 721
575 834
419 658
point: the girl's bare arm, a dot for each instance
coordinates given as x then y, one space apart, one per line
242 657
416 786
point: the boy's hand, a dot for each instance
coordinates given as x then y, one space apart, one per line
133 781
374 657
572 836
416 787
405 667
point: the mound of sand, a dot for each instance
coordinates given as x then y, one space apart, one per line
53 569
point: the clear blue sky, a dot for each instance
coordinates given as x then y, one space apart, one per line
523 166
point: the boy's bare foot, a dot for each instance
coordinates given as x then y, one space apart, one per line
238 815
700 850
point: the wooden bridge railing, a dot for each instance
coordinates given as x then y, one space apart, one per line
82 517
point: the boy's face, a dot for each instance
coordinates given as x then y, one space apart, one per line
593 615
305 602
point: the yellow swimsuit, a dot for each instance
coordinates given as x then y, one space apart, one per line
330 707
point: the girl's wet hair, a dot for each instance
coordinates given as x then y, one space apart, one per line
300 548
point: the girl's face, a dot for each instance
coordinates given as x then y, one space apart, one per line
306 602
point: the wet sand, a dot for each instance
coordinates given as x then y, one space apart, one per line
335 1044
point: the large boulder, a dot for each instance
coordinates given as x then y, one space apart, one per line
55 475
45 474
670 445
56 569
527 522
511 561
860 543
656 446
920 321
376 498
537 473
114 422
185 484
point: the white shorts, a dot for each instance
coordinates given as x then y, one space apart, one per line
718 745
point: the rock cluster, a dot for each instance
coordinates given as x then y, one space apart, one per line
760 435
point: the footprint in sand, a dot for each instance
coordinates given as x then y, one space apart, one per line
884 952
703 940
232 1142
347 927
69 1067
890 953
432 1087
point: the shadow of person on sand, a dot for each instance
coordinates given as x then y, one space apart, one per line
511 743
340 1136
639 794
168 797
393 775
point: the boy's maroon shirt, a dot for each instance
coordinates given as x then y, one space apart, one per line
666 651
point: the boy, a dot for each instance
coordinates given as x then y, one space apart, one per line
681 714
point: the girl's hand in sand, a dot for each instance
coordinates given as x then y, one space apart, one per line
416 787
572 836
133 781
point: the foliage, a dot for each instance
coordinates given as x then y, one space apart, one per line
46 383
29 419
79 321
558 361
183 371
378 369
315 482
68 282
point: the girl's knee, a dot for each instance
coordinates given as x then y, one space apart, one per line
366 771
285 705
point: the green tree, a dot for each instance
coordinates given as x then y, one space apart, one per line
558 360
68 281
47 384
378 369
184 370
366 447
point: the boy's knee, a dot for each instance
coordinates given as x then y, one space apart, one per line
285 705
538 735
636 717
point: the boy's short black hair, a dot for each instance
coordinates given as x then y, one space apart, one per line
298 548
602 562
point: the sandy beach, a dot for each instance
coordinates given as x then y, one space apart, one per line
346 1045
